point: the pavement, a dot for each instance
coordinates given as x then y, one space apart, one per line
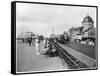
29 61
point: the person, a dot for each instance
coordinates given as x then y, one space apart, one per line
29 40
91 42
44 43
33 41
37 47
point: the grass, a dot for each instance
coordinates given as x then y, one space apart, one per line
85 49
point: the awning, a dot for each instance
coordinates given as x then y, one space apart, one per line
85 38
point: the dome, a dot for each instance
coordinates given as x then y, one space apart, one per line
87 19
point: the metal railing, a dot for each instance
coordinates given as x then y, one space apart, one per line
71 62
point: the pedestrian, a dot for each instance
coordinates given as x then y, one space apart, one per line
37 47
30 41
33 42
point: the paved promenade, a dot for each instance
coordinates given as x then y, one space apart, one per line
29 60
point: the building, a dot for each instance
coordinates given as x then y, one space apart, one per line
75 31
87 23
65 34
25 35
88 30
85 32
52 35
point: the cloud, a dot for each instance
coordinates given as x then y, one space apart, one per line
41 18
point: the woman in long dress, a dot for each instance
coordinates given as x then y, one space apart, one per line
37 47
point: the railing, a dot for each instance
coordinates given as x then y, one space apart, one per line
72 63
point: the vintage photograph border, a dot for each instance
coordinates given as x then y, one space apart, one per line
13 36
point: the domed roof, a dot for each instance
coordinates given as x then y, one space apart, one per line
87 19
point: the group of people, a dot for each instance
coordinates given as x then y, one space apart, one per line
32 41
48 48
51 52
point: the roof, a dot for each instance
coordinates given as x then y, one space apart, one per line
87 19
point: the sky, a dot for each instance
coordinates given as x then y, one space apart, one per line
41 18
